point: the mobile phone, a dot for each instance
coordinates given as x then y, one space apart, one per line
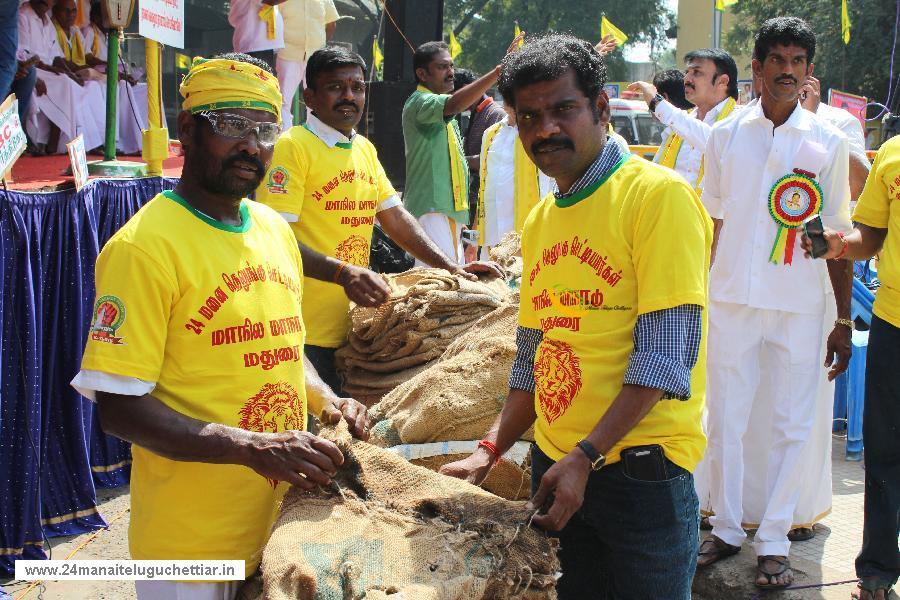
645 463
470 236
815 231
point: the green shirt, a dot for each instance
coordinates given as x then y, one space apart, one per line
428 183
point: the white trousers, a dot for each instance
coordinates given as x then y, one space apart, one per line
131 105
180 590
740 339
445 232
291 74
72 108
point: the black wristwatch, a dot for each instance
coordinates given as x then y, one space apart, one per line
654 101
597 459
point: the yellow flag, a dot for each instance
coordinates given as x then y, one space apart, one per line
455 47
517 33
377 56
607 28
182 61
845 22
722 4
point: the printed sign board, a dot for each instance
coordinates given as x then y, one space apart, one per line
78 161
855 105
12 136
163 21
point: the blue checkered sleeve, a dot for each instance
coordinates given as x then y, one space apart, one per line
521 376
666 344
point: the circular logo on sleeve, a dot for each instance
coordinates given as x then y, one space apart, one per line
109 315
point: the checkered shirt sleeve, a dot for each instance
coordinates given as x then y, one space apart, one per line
666 344
521 376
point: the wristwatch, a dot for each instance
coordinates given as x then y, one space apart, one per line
654 101
597 459
846 323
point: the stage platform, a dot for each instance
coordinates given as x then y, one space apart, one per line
48 173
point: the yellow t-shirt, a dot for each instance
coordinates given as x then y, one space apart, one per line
635 242
335 192
211 313
879 206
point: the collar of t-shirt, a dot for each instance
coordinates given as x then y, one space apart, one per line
606 160
327 133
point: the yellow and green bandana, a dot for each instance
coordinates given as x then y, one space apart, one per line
217 83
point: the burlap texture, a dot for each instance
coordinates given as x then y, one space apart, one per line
508 254
387 527
507 479
427 310
459 396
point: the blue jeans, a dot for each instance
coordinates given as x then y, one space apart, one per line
323 361
631 539
878 563
24 89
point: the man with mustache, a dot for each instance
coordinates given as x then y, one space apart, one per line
609 363
327 181
767 303
710 84
67 105
196 354
437 175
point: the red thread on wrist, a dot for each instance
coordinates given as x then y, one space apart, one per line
492 448
340 268
844 249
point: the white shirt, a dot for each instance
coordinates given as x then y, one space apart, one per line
745 156
332 137
848 124
499 185
251 32
304 31
37 36
694 132
88 33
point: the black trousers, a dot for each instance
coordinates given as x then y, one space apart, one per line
878 563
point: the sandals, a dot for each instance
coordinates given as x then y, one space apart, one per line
705 525
872 589
801 534
784 565
716 550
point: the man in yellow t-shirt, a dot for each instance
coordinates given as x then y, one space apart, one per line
877 230
195 351
609 367
326 180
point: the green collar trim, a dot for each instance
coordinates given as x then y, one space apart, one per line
344 145
244 212
590 189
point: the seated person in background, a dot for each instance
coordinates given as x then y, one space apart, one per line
64 105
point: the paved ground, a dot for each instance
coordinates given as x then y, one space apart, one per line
826 558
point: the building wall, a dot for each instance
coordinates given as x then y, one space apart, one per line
695 19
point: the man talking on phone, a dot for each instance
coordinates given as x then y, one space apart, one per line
769 169
609 363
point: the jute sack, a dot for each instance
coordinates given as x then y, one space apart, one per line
459 396
389 529
507 479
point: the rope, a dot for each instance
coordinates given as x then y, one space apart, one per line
397 27
76 550
759 595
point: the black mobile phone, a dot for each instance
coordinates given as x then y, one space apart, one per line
815 231
645 463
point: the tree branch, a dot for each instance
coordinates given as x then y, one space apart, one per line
468 17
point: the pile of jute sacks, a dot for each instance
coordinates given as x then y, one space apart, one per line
435 359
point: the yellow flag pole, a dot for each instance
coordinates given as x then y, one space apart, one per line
156 139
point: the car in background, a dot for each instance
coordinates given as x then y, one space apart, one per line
632 120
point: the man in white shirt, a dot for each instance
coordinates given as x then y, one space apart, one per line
258 28
309 25
65 105
710 84
767 170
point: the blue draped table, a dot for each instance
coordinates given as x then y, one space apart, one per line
53 453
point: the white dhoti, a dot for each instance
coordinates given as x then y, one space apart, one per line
291 73
749 345
186 590
131 105
74 109
445 232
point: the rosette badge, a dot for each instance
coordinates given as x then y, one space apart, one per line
793 199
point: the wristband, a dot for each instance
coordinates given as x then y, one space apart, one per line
492 448
844 249
340 268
